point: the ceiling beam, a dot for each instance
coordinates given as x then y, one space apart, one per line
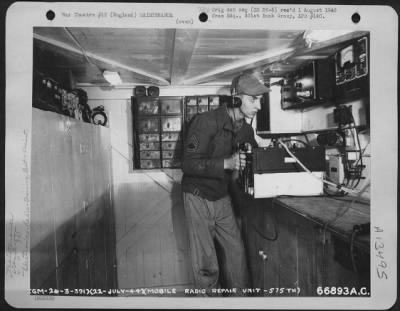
184 44
242 65
100 58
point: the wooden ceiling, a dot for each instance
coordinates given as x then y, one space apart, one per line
172 56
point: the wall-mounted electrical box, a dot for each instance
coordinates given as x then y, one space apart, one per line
310 85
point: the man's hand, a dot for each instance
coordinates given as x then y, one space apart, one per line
235 162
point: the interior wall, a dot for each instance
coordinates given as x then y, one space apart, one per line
117 103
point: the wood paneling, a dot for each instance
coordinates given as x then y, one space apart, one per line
303 256
71 207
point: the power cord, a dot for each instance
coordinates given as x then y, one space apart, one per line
340 187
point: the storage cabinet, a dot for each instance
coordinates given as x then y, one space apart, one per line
72 235
157 131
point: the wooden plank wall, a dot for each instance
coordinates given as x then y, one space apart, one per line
71 186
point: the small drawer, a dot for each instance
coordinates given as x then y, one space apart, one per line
213 100
171 106
202 108
148 125
149 154
171 163
150 164
171 124
147 106
170 154
191 109
191 101
203 101
149 137
170 136
170 145
149 146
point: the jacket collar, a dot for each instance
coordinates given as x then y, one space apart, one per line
224 119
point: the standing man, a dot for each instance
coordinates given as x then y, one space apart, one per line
209 161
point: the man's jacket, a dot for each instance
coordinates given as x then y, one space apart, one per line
210 139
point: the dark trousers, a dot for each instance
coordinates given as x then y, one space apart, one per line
210 222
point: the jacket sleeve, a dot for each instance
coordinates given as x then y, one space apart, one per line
196 158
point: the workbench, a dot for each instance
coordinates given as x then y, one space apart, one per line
305 243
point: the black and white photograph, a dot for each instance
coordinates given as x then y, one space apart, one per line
191 160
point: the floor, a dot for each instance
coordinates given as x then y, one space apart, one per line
151 233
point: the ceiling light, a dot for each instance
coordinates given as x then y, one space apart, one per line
112 77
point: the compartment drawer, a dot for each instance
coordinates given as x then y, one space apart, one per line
149 154
171 145
171 124
171 106
149 146
149 137
146 106
171 163
202 108
148 125
150 164
170 136
203 101
191 101
169 154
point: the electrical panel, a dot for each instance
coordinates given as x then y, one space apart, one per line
310 85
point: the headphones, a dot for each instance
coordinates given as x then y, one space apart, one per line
235 101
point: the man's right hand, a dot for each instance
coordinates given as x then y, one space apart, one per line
233 162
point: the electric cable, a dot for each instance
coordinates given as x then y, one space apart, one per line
297 140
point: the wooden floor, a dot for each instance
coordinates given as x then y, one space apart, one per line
151 233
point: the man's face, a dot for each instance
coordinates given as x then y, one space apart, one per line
250 105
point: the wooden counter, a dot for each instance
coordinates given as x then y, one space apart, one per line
338 215
306 242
